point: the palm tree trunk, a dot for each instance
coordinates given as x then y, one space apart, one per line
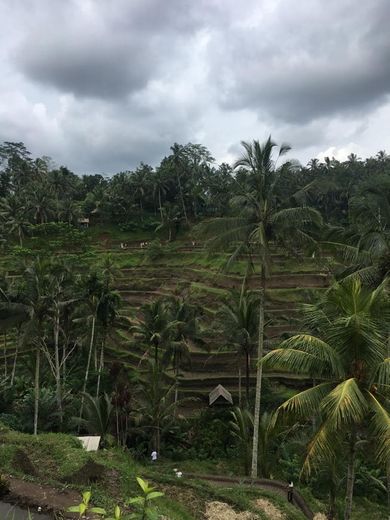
20 237
182 198
247 377
15 358
259 376
158 438
160 207
88 365
5 354
101 364
350 476
388 488
36 389
239 387
57 364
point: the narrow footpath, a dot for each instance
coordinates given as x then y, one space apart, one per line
277 486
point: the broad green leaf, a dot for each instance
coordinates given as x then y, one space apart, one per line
142 484
86 497
136 500
154 494
97 510
74 509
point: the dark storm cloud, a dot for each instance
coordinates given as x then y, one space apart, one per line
101 85
108 50
311 61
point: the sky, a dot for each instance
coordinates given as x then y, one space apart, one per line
100 85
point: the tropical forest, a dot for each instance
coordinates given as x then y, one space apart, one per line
221 332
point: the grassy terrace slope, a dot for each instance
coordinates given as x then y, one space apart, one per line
186 270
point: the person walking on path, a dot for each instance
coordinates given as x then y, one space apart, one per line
153 456
290 491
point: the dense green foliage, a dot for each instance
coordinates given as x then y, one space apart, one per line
78 356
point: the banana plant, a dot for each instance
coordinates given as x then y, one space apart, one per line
142 503
83 508
117 514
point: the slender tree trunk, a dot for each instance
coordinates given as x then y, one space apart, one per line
57 364
5 354
247 376
350 476
388 488
101 365
332 505
20 237
88 365
176 363
259 376
160 206
15 359
239 387
36 389
182 199
63 362
158 438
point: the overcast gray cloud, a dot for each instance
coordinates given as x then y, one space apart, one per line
102 85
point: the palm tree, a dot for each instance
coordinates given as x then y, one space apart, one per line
365 244
93 288
184 329
261 219
159 188
156 402
156 326
37 301
241 428
239 319
348 356
12 214
108 321
97 415
40 202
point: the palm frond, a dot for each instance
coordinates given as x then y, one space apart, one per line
306 403
345 404
297 216
381 427
321 351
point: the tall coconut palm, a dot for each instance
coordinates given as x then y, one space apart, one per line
239 320
155 327
261 220
184 329
36 298
93 289
348 356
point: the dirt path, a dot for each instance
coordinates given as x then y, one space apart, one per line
275 486
33 495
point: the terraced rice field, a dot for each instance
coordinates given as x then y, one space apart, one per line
188 271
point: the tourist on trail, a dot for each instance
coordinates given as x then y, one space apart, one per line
153 456
290 491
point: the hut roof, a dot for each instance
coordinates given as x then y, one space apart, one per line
220 391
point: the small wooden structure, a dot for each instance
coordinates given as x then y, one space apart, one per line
90 442
83 222
218 392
